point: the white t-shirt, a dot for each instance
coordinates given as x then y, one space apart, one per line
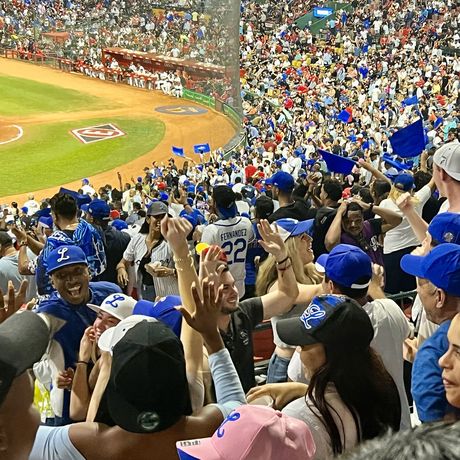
402 236
300 409
233 236
391 328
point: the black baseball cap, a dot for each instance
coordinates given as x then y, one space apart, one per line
223 196
334 320
24 338
148 390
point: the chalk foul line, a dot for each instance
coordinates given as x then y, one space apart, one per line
17 137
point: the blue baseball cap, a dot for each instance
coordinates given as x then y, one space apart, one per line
46 222
404 182
284 181
119 224
98 209
45 212
333 320
441 266
190 217
346 264
64 256
292 227
445 228
164 310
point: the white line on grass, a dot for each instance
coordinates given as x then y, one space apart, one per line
18 136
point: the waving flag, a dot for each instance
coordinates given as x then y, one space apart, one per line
410 101
409 141
201 148
396 164
178 151
336 163
345 116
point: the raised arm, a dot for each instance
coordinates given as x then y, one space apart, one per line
419 226
334 233
282 299
175 231
390 218
81 393
374 171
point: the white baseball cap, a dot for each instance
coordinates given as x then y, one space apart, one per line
447 157
110 337
118 305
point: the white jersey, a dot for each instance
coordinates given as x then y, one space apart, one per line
233 236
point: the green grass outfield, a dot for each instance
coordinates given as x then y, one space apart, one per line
49 155
26 97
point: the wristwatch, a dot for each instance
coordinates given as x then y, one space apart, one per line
22 243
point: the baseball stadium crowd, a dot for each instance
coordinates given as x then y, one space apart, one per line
146 294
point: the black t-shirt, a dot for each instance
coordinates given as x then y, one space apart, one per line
298 210
115 243
323 220
238 339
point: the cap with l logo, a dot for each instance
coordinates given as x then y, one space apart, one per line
64 256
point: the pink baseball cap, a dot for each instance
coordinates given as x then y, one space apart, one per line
252 432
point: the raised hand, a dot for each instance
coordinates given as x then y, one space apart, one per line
211 266
86 344
13 301
175 232
204 319
271 240
404 203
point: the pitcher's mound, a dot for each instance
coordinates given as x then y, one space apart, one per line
10 133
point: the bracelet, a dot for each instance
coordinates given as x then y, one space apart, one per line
83 362
285 268
284 260
371 207
179 260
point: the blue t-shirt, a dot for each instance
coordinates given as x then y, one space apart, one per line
77 318
427 387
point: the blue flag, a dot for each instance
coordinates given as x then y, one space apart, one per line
201 148
178 151
409 141
336 163
396 164
344 116
410 101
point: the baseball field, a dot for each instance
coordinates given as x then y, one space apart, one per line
57 128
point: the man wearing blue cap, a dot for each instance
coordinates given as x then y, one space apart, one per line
438 285
69 229
283 185
69 316
348 271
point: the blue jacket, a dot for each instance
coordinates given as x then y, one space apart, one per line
427 387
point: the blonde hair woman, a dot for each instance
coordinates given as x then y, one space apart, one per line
298 244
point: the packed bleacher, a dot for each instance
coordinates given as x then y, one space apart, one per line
335 230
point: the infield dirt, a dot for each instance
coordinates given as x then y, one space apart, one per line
181 130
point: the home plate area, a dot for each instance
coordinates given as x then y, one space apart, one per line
98 133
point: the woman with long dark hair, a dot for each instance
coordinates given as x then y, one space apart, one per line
351 397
